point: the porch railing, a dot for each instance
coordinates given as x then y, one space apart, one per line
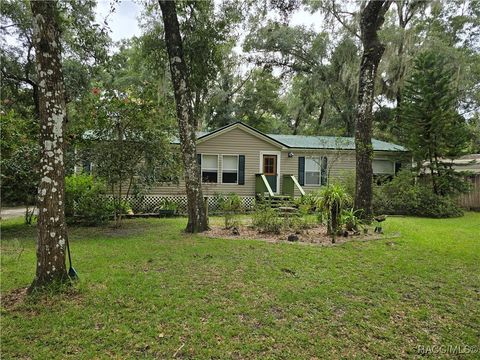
262 186
289 184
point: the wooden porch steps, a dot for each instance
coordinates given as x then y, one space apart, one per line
284 204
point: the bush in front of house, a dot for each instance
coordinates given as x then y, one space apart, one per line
230 206
86 201
333 200
308 202
405 196
267 220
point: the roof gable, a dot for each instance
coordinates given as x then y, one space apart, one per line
299 141
241 126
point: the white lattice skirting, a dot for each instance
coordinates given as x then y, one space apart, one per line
151 203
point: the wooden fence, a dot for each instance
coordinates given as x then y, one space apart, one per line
471 200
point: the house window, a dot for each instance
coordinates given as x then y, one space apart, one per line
230 169
313 170
383 167
210 168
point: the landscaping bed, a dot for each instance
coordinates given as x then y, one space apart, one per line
316 235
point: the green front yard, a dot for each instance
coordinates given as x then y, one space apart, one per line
147 291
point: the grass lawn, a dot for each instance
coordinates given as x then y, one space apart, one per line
148 291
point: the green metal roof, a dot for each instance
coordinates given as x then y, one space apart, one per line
331 142
311 142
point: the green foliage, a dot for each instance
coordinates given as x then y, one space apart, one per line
258 104
351 219
308 203
266 220
298 223
168 205
20 158
128 142
404 195
433 128
321 97
333 199
347 181
86 201
230 206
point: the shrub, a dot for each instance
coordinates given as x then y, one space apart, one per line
298 223
347 181
350 219
333 200
404 196
230 205
168 205
308 202
85 200
436 206
266 220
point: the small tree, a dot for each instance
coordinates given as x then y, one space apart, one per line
432 126
129 144
333 199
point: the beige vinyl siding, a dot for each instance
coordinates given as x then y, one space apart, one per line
233 142
240 142
340 163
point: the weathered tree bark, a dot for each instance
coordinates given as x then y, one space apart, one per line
197 214
52 231
371 19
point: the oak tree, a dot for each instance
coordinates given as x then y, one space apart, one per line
371 20
197 212
52 231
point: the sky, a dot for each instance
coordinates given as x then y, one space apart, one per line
123 21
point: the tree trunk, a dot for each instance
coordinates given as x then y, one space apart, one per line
52 231
197 215
372 18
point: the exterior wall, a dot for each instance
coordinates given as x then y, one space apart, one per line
233 142
340 163
240 142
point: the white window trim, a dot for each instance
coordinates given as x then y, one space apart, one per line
238 168
319 171
208 169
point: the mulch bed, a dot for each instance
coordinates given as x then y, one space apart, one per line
313 236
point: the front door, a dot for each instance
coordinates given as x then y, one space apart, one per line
270 170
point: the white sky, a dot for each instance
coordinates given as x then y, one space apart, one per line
123 22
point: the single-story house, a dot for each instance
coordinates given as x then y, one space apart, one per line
240 159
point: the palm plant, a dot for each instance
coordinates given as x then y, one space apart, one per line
351 219
333 199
